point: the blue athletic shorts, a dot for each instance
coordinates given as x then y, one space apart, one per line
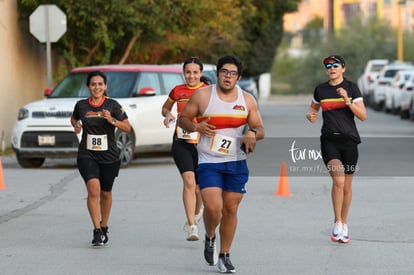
230 176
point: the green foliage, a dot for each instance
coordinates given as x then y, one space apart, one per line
374 39
168 31
7 152
264 32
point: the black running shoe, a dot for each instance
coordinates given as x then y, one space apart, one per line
224 264
97 237
210 252
105 234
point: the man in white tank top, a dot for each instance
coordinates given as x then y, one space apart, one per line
222 111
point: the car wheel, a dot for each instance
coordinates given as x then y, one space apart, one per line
386 110
30 162
411 112
394 110
404 114
125 143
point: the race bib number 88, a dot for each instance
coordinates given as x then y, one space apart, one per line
183 134
97 142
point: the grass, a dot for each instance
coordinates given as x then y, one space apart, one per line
7 152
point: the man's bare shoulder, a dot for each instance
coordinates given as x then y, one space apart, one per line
202 93
249 98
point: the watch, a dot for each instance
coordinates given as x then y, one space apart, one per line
253 130
349 102
113 121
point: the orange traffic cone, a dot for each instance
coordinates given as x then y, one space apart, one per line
2 187
283 186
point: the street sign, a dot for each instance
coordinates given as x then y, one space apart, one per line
47 23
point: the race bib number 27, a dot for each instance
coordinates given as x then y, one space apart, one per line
224 145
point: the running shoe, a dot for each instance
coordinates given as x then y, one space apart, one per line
345 234
199 216
197 219
224 264
105 234
210 252
186 227
337 232
193 233
97 238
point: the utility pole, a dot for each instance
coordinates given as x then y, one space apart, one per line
331 18
400 43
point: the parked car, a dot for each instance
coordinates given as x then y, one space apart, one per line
411 110
249 85
376 95
392 93
406 102
371 71
209 70
43 128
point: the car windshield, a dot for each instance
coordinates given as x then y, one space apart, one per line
211 75
120 85
377 67
391 73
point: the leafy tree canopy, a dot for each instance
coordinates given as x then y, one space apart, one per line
167 31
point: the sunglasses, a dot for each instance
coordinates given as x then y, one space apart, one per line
330 65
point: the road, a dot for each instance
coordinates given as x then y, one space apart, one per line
45 227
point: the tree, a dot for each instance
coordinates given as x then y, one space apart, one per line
168 31
264 31
374 39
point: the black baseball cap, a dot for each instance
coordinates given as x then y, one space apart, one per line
335 58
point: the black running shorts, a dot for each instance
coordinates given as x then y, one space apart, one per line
185 155
105 172
342 148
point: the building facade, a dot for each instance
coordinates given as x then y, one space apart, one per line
394 11
23 76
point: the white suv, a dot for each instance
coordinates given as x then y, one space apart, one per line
377 92
43 129
371 71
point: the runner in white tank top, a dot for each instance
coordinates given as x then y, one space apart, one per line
222 112
229 118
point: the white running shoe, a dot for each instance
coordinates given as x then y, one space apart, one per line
345 234
197 219
199 216
193 233
186 227
337 232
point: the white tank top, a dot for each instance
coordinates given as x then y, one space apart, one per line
230 119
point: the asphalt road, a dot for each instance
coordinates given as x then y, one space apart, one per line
45 227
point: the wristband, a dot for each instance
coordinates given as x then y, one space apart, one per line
253 130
